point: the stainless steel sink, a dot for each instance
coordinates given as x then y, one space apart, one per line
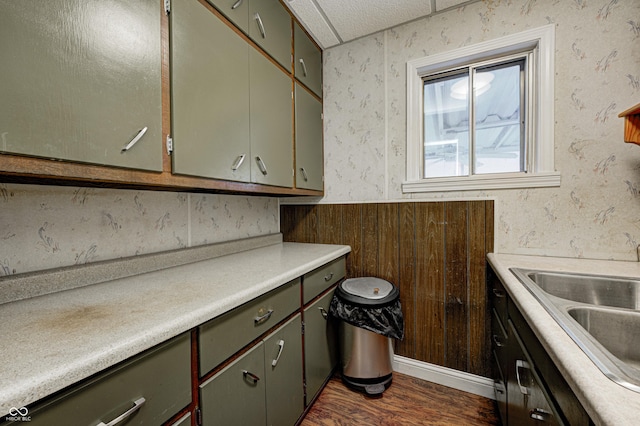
601 314
591 289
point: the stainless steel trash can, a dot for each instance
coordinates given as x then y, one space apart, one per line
366 355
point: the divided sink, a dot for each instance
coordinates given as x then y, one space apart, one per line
601 314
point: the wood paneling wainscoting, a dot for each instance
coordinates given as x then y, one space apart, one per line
433 251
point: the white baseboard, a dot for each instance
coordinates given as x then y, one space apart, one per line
456 379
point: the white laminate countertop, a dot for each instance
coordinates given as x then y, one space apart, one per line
51 341
606 402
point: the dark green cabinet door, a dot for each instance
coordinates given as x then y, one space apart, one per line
80 80
270 28
309 152
320 344
235 396
271 123
210 95
307 61
283 371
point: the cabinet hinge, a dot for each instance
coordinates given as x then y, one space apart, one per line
198 414
167 6
302 327
169 145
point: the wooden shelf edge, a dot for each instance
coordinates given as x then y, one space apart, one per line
631 124
27 170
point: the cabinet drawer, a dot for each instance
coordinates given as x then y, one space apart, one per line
223 336
161 376
317 281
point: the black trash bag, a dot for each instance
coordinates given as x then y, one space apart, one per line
386 320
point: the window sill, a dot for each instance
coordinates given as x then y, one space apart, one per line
483 182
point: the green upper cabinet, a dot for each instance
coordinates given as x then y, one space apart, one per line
266 22
237 11
81 81
271 123
307 61
209 95
270 28
231 106
308 134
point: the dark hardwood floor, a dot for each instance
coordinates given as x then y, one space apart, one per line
408 401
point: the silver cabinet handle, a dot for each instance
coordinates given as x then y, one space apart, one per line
539 414
304 67
135 140
496 339
239 160
261 165
263 318
522 364
280 348
498 293
260 25
137 404
250 375
323 312
304 174
236 5
327 278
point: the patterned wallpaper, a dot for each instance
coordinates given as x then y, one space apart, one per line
595 211
44 227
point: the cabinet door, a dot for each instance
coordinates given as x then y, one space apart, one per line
235 396
526 397
283 371
237 11
270 28
320 344
80 80
271 123
309 152
307 61
152 388
210 95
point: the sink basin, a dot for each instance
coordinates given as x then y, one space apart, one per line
591 289
617 331
600 313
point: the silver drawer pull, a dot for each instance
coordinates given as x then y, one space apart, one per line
250 375
261 319
280 348
520 364
304 174
135 140
304 67
498 293
137 404
236 5
539 414
238 162
328 277
260 25
496 339
323 312
261 165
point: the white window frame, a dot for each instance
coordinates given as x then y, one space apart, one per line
540 157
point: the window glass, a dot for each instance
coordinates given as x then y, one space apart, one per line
496 139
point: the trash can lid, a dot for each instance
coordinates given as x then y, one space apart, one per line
368 287
368 291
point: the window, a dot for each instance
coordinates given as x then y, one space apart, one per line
481 117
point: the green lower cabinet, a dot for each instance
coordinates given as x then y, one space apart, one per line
319 344
252 390
146 390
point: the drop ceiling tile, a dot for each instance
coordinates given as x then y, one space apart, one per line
356 18
314 22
